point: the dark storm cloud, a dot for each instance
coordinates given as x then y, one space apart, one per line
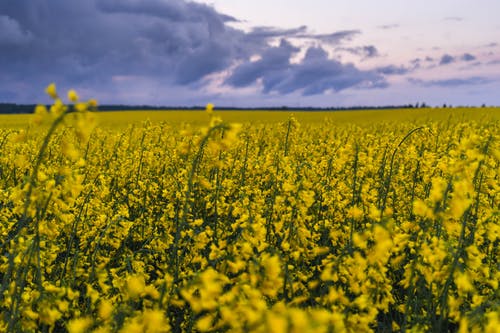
104 38
98 44
173 10
454 82
446 59
315 74
273 63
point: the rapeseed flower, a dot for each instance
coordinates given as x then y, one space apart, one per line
135 285
268 226
73 96
52 91
209 109
105 309
79 325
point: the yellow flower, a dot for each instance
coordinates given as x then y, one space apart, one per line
63 305
420 208
362 302
359 240
154 321
493 322
49 316
92 103
277 323
57 108
69 150
51 90
79 325
81 107
458 206
209 108
236 266
105 309
40 113
463 282
204 324
135 285
272 267
438 187
92 293
464 325
30 314
355 212
73 96
132 326
308 197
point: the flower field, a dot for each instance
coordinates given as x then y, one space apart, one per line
261 226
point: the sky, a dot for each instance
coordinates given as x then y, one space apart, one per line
269 53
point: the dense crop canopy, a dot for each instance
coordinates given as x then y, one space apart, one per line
283 227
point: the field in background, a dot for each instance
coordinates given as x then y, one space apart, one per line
124 118
317 222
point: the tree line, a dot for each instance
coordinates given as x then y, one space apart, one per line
13 108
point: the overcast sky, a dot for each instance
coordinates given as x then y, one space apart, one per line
253 53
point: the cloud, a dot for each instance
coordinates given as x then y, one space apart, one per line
396 70
467 57
388 26
172 10
273 32
88 43
302 33
315 74
494 62
273 62
446 59
11 32
453 82
107 45
336 37
365 52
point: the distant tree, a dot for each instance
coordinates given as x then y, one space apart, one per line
444 106
483 105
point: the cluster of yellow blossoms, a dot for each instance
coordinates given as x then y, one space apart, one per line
258 227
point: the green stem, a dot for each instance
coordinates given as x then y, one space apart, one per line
391 166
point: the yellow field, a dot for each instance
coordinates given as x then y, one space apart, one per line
122 119
317 222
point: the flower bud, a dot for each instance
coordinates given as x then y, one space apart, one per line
51 90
